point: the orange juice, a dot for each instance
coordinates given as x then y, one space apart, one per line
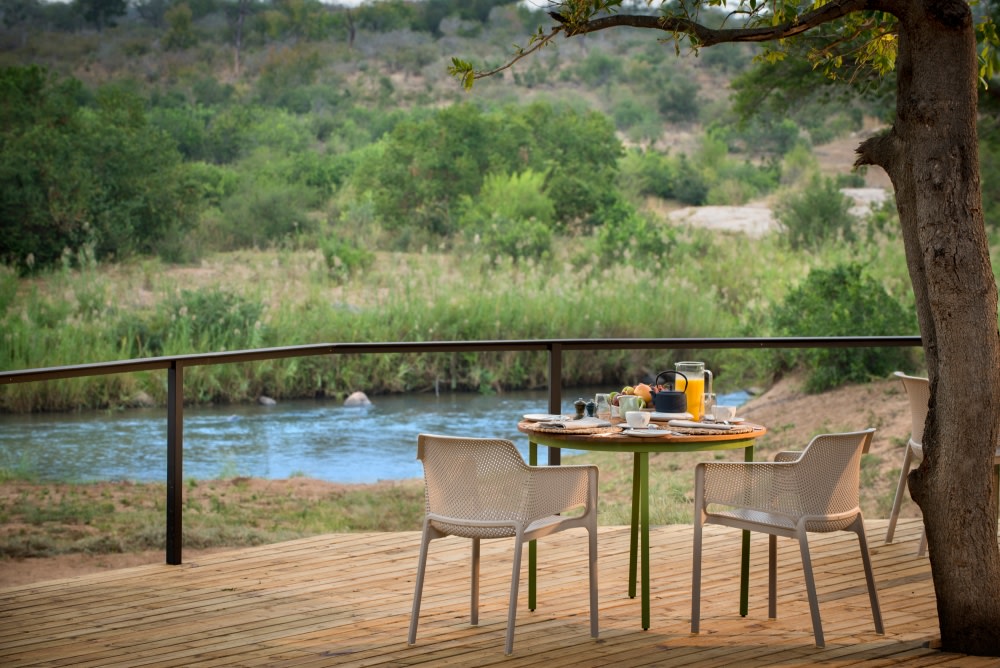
694 392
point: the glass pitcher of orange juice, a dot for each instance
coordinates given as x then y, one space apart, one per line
699 381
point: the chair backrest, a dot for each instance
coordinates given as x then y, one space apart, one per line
918 390
829 473
479 479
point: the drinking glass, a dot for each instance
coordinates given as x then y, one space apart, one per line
603 402
709 403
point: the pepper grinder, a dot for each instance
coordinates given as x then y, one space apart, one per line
580 405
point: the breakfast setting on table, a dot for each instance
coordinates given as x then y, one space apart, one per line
679 402
678 412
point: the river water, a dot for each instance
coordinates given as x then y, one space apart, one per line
318 439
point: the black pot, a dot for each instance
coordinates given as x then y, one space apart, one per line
670 400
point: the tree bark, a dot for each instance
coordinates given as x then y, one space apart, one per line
931 156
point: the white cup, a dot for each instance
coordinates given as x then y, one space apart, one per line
724 413
637 419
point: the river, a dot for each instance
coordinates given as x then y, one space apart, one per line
316 438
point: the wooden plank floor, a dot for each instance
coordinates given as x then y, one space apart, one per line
344 600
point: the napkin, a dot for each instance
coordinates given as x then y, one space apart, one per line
571 425
691 424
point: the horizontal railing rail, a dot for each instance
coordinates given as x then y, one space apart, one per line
175 365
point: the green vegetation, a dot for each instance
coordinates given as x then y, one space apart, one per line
219 175
44 520
835 302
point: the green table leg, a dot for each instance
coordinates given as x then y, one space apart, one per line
644 522
634 538
745 561
532 548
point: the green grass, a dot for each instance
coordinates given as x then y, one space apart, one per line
41 520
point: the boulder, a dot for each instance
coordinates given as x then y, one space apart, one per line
266 401
357 399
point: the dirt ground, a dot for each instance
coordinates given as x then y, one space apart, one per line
792 419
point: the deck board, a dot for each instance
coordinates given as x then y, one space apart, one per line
345 600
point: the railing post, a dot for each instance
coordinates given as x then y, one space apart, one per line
175 461
555 393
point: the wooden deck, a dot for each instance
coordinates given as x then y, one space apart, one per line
345 599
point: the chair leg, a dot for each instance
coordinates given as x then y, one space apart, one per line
515 580
475 582
699 520
772 576
418 589
811 588
859 528
592 558
900 488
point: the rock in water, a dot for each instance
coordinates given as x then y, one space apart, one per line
266 401
357 399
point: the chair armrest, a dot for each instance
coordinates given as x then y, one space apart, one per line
557 489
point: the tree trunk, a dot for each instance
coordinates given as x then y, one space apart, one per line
931 155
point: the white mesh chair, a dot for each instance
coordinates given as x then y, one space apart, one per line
481 488
918 391
813 490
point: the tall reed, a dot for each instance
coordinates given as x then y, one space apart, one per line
714 285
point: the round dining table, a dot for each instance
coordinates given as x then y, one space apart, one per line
617 438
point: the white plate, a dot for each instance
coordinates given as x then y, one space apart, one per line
735 420
690 424
663 417
645 433
544 417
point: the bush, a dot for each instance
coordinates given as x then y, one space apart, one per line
690 186
623 233
815 215
842 301
265 213
516 238
648 173
511 216
427 164
193 321
75 175
678 100
345 256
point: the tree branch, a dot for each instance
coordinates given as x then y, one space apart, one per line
539 43
708 36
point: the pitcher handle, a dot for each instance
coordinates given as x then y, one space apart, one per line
708 381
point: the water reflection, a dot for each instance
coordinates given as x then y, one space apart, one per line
319 439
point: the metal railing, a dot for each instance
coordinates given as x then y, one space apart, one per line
175 365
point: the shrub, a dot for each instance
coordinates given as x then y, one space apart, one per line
73 175
815 215
345 256
678 100
625 233
511 216
842 301
194 320
647 172
265 212
516 238
690 186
